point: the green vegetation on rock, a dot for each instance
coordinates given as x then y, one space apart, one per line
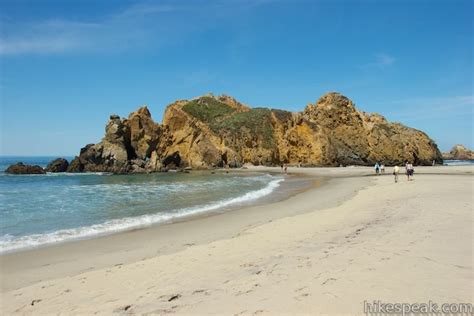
257 121
282 115
208 109
221 117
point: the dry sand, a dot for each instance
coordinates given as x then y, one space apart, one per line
322 251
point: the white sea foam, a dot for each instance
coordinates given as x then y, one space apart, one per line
10 243
69 174
58 174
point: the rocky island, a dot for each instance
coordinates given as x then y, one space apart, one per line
459 152
217 131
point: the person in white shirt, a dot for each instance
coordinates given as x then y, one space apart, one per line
396 170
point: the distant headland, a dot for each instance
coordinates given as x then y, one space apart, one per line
459 152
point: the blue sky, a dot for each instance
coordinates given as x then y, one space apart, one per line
65 66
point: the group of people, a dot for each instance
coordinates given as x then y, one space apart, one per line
409 170
379 168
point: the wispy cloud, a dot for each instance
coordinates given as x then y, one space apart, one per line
52 36
62 35
143 9
383 60
379 61
145 23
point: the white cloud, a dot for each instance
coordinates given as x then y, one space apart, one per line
380 61
53 36
142 9
384 60
145 23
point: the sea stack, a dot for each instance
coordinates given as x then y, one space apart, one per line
459 152
212 131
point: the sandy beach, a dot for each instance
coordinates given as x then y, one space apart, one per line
354 238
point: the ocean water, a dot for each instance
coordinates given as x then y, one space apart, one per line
37 210
458 162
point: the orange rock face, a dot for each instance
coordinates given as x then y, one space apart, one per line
216 131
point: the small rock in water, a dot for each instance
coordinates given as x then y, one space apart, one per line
20 168
57 165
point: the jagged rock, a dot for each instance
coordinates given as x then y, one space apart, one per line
111 154
104 157
211 131
144 133
459 152
360 138
75 165
135 138
20 168
57 165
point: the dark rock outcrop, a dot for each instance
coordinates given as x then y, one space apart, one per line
459 152
57 165
75 165
214 131
20 168
172 161
127 146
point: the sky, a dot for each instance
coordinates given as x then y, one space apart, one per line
65 66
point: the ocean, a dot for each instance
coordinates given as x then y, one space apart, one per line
38 210
458 162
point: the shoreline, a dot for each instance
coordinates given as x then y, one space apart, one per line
325 250
285 187
27 266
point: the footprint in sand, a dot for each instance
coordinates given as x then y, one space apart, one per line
302 296
33 302
202 291
328 280
174 297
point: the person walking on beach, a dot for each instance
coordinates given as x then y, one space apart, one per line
410 170
396 170
377 168
382 168
286 169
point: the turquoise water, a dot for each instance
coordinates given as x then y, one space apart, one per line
41 209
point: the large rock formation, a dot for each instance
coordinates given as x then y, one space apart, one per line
215 131
360 138
20 168
126 147
459 152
